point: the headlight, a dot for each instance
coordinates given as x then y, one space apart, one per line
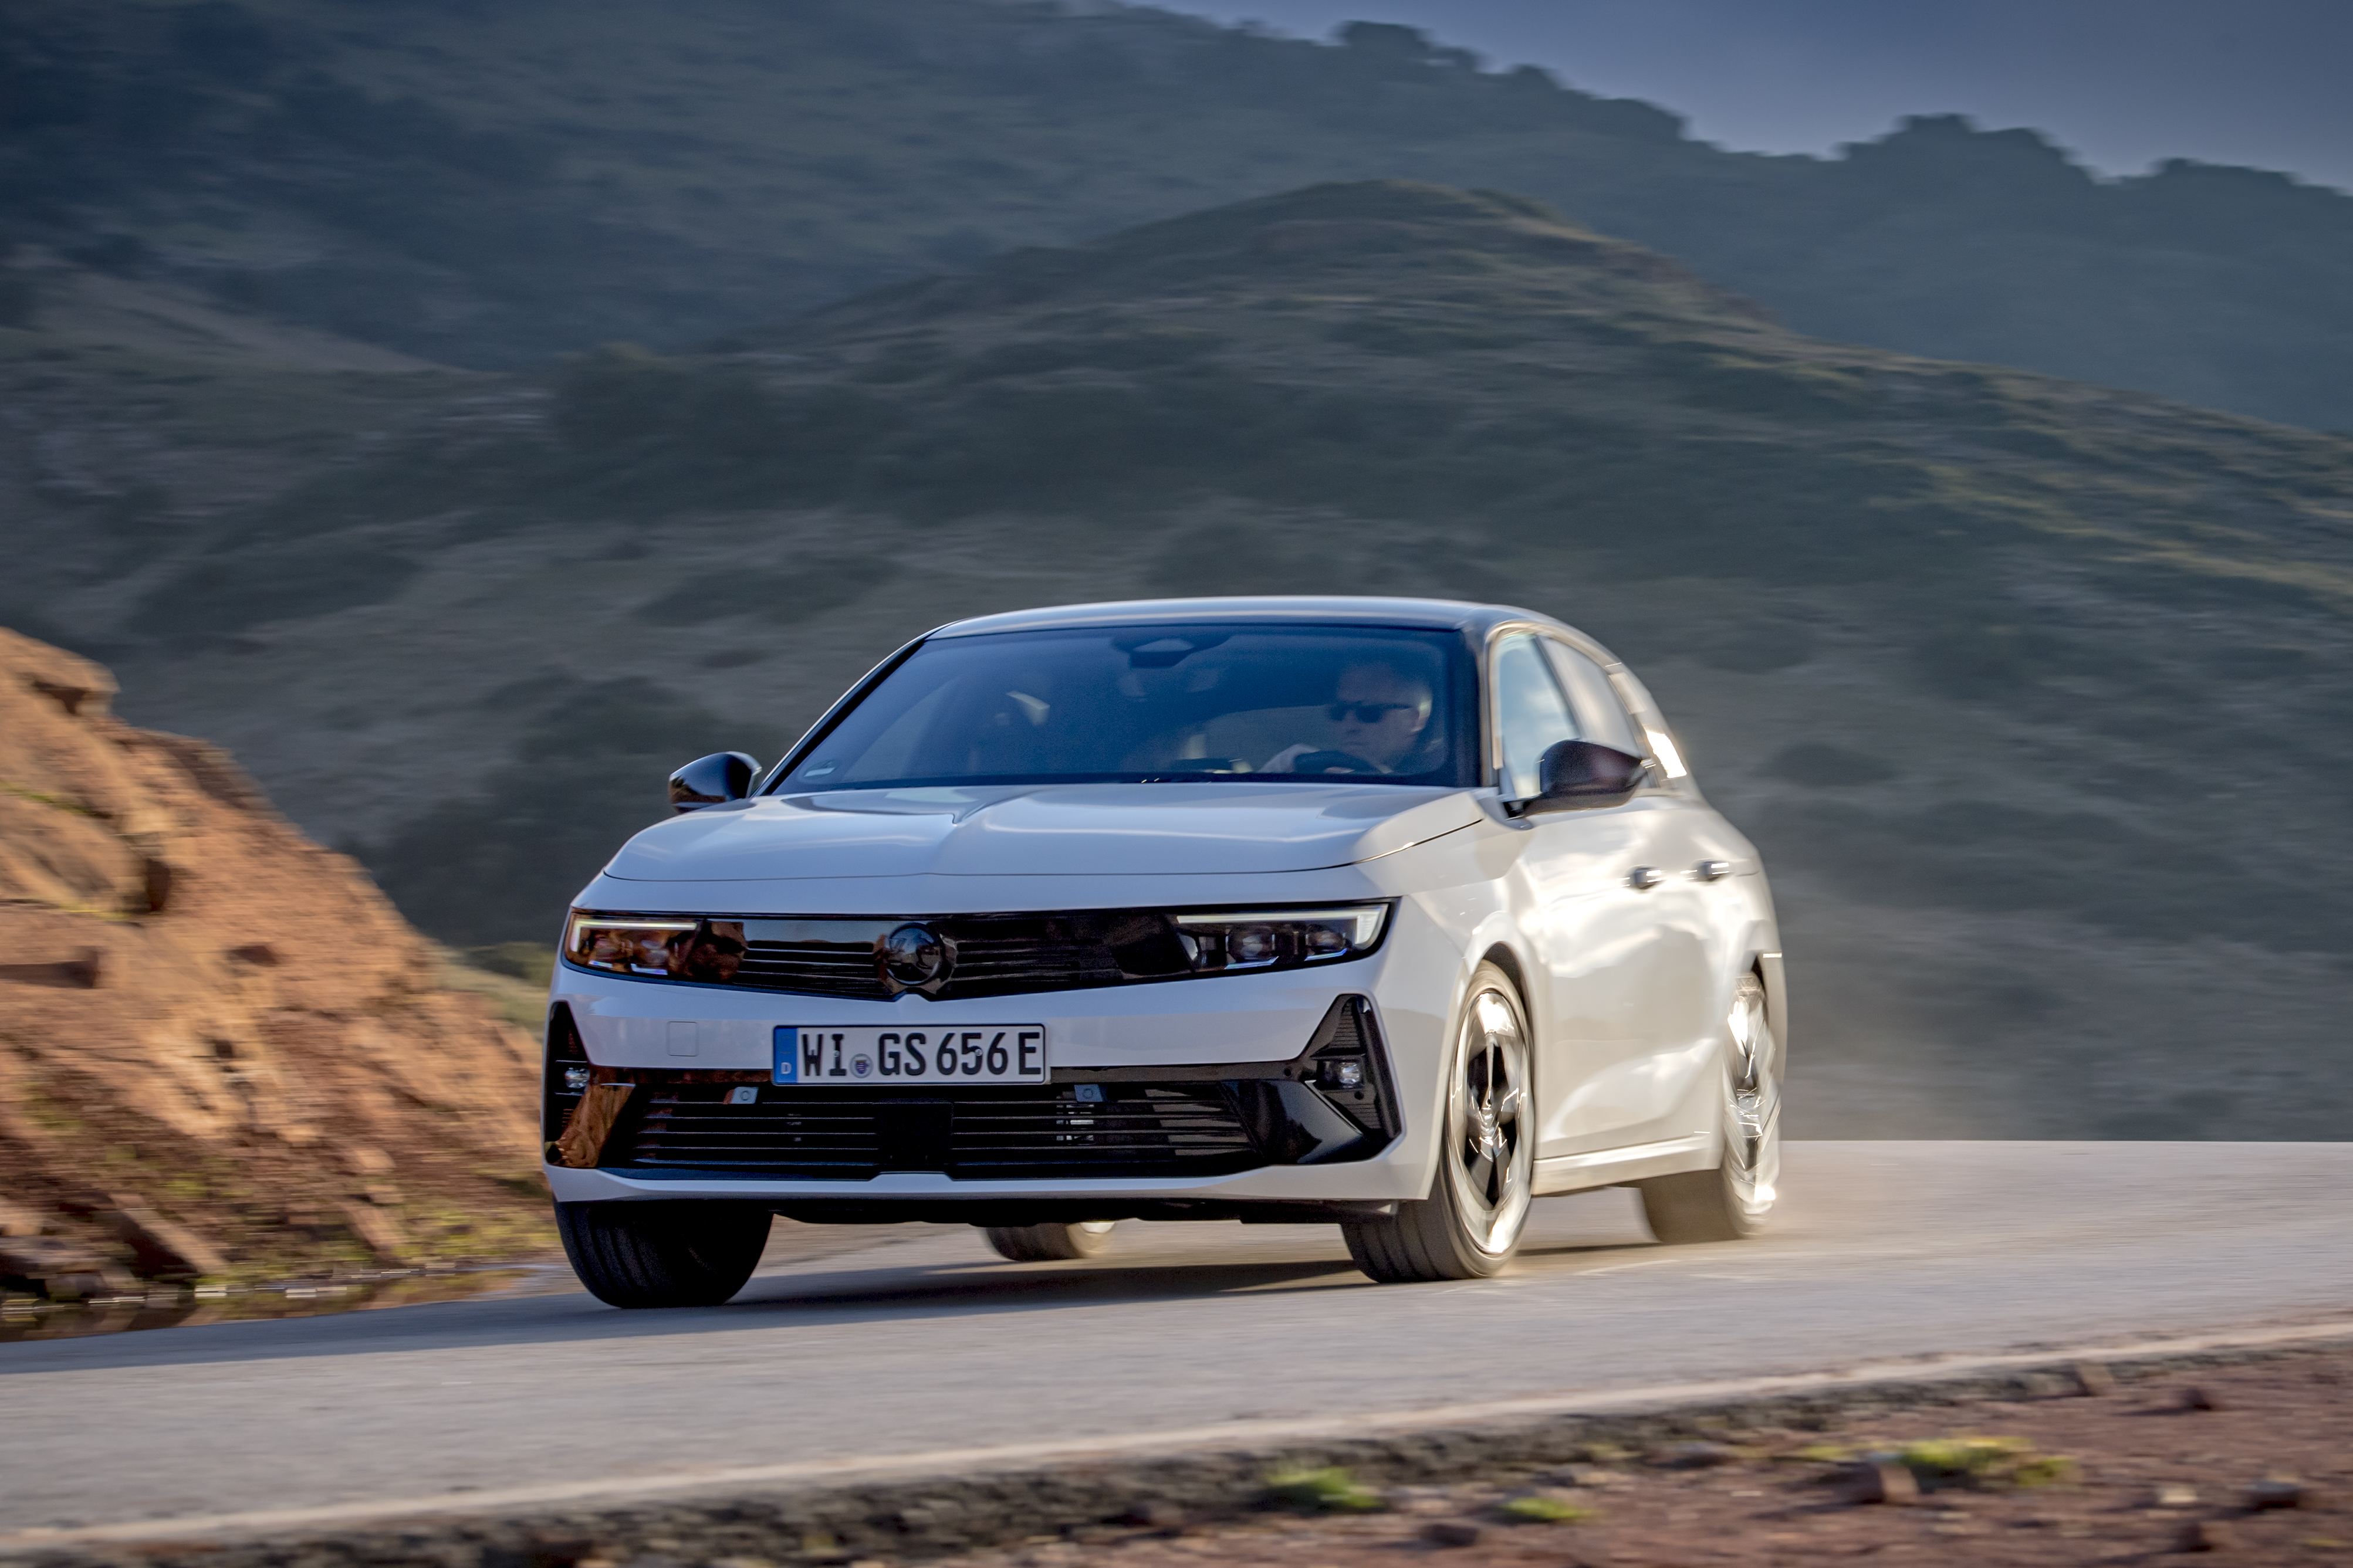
1247 939
667 945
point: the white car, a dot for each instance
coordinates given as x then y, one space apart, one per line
1388 913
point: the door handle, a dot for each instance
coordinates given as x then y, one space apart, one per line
1642 878
1712 870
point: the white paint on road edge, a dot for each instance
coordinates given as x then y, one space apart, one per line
612 1489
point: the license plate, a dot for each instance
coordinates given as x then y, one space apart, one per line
994 1053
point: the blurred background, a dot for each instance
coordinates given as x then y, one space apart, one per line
2122 84
464 413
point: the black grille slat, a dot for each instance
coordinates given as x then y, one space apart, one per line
814 969
994 1130
1033 964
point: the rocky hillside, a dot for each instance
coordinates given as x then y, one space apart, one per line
2038 697
222 1052
492 185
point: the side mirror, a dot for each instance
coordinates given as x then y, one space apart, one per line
1576 773
713 780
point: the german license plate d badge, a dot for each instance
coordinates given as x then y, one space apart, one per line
992 1053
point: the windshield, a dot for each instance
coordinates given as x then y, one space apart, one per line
1141 704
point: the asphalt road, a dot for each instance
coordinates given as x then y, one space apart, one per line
916 1341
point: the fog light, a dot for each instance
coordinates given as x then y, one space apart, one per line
575 1079
1345 1074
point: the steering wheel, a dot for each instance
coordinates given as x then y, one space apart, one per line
1331 763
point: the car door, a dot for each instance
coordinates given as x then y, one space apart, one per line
1642 1079
1589 929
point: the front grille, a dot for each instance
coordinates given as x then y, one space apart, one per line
982 1130
995 955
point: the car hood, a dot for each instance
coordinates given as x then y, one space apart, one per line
1160 829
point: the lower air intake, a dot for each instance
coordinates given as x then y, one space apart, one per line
1007 1131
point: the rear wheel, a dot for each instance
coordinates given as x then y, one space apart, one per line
1470 1225
662 1254
1048 1243
1735 1198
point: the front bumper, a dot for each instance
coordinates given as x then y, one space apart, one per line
1166 1101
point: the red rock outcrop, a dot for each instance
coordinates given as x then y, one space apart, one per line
221 1048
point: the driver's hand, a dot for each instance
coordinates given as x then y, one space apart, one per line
1282 761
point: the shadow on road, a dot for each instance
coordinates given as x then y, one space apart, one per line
1003 1288
815 1288
805 1296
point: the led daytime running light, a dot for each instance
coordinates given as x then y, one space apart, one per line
1364 920
677 947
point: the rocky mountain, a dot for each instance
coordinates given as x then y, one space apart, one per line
2035 695
222 1052
493 185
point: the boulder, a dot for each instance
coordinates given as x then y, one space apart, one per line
60 1270
206 1019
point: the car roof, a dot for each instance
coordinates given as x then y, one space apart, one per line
1336 609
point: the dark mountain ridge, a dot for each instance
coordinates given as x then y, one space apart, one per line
490 185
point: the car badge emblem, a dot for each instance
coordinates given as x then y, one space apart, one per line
916 958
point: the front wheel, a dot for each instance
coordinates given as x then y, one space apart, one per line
1470 1225
1048 1243
1735 1198
662 1254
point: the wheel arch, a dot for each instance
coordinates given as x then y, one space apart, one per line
1501 955
1753 953
1755 948
1768 966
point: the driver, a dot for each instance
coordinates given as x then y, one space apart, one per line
1380 723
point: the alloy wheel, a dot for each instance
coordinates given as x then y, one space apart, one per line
1752 1162
1490 1135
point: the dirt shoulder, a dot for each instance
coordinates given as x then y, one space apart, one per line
2251 1463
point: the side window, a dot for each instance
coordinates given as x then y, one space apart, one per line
1531 715
1599 715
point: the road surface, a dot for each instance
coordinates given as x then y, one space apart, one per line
915 1340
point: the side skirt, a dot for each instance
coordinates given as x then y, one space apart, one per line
1635 1163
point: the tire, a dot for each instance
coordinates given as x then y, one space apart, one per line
662 1254
1735 1199
1470 1225
1048 1243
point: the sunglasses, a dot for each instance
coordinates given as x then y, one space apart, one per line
1367 712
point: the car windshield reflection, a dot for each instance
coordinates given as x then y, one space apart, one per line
1157 704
